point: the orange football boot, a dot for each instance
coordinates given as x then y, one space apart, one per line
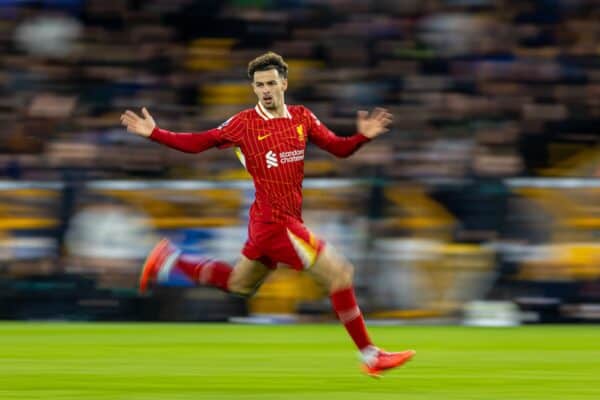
385 360
153 263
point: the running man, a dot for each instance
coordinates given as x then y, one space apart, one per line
270 140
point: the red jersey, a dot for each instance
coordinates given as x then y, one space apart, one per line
272 150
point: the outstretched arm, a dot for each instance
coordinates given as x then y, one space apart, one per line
368 127
189 142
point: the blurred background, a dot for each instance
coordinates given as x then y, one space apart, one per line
480 206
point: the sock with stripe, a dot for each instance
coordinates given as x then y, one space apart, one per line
348 312
205 271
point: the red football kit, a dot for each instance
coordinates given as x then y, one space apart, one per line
272 149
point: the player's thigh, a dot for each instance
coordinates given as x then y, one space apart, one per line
332 270
292 244
247 275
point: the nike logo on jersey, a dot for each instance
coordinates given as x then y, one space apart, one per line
263 137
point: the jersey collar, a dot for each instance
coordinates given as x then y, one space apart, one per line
266 115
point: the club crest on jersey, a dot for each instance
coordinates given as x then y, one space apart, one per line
300 131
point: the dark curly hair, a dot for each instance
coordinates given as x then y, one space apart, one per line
266 62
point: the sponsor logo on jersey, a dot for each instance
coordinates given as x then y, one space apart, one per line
263 137
287 157
271 158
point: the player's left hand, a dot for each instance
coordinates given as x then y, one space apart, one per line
375 124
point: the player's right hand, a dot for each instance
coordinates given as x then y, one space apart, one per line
136 124
375 124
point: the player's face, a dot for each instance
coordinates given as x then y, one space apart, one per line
269 87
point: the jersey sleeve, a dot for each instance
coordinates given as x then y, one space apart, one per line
339 146
225 135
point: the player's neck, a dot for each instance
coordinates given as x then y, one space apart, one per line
278 112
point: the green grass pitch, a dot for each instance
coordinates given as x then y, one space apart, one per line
82 361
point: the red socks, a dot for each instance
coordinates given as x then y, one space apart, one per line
216 273
205 271
344 304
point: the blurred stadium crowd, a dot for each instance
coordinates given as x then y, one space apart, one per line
486 187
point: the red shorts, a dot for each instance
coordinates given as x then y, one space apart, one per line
289 243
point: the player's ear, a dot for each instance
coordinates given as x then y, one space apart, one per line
284 83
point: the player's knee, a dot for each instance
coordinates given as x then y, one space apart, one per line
245 293
343 278
240 288
333 271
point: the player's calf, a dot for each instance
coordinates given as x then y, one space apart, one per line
336 273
